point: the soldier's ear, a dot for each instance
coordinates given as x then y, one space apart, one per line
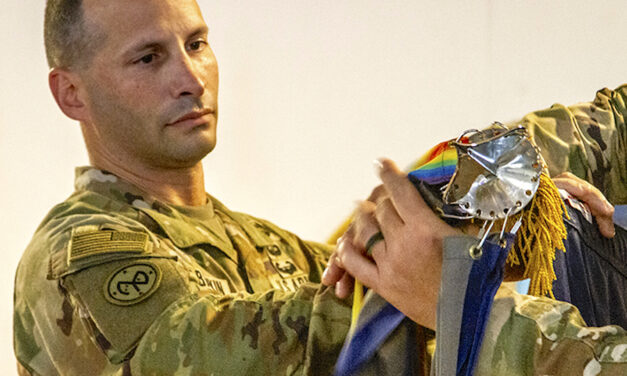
66 89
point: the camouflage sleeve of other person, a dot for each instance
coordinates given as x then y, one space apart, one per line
530 335
587 139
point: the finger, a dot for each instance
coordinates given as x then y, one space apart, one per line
344 287
377 192
376 245
389 219
404 195
365 224
606 226
568 184
575 186
333 272
600 208
350 231
358 265
585 192
566 175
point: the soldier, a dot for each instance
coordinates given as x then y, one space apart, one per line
140 271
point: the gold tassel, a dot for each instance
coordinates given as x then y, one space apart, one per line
542 232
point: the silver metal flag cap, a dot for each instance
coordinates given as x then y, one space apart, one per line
497 175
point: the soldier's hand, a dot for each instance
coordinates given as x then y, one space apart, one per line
364 225
334 274
405 268
600 208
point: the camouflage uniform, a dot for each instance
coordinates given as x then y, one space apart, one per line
588 139
530 335
117 282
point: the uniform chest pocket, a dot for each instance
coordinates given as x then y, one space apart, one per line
285 274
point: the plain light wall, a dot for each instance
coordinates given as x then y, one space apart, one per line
311 93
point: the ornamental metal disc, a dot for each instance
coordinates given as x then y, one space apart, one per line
498 173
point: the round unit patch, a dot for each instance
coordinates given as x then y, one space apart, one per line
133 283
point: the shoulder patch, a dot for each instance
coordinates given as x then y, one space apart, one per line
132 283
87 242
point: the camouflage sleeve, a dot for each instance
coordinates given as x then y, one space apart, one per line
530 335
168 322
270 333
273 333
587 139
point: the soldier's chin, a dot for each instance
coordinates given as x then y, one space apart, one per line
184 157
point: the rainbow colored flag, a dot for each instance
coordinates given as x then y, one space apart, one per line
437 165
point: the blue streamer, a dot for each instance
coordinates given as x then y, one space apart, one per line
484 280
367 339
485 277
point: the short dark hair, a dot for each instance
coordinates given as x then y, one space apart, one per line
69 41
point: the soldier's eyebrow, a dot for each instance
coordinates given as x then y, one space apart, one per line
142 45
152 43
201 30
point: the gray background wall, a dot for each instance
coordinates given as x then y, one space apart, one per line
311 93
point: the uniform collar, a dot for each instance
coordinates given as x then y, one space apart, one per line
185 225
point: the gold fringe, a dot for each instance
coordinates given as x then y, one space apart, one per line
542 232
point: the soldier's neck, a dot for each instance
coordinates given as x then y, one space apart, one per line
178 186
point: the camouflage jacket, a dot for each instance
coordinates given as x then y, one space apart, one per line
115 282
539 336
529 335
588 139
533 335
525 335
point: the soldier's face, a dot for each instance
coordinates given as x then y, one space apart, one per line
152 86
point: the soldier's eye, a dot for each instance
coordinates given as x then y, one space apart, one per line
147 59
197 45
